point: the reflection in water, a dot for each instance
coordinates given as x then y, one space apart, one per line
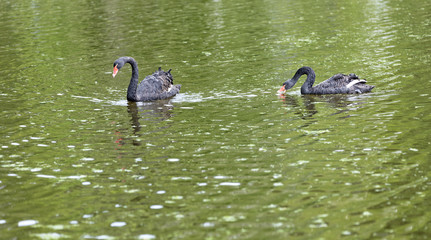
228 159
304 113
157 111
341 102
150 112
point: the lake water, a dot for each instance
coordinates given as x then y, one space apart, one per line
227 158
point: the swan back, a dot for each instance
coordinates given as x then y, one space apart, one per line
341 83
158 85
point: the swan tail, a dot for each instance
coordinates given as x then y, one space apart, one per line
165 78
172 91
357 85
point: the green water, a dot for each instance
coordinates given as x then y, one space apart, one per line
226 158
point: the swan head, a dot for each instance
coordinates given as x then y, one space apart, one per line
286 86
118 64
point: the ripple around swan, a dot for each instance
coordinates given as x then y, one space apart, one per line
226 157
200 97
180 98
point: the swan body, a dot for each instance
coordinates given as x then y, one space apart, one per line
159 85
339 83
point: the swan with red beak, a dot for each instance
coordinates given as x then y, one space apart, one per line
159 85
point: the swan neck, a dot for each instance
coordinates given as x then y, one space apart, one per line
133 85
311 77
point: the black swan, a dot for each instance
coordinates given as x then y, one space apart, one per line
338 83
159 85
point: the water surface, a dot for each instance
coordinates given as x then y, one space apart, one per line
226 158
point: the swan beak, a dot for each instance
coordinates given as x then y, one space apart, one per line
281 90
115 71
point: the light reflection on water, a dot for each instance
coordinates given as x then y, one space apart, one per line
227 157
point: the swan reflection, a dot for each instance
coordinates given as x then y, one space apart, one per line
305 105
153 112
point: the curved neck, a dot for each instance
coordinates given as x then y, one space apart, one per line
133 85
311 77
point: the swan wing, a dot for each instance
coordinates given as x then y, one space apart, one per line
341 81
150 85
336 81
159 85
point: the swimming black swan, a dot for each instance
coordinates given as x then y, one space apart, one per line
157 86
338 83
